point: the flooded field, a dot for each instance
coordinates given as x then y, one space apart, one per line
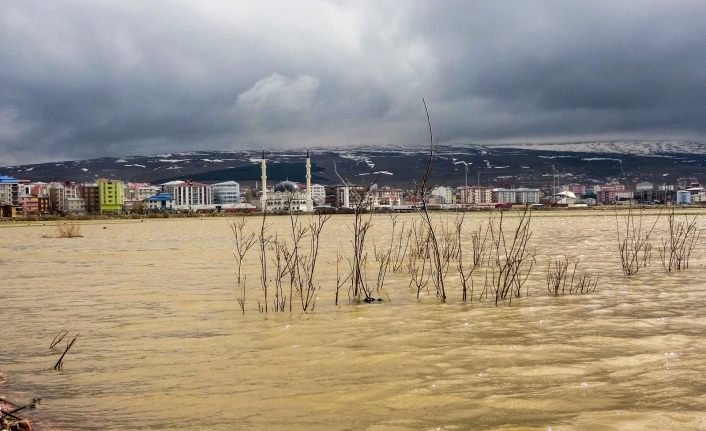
163 344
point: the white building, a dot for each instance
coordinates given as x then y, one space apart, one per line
226 194
139 191
286 195
444 195
189 195
516 196
644 186
683 197
318 194
565 198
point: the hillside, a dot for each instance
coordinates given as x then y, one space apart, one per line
508 165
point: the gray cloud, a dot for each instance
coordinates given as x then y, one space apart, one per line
86 79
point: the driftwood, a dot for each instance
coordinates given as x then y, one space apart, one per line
60 362
57 339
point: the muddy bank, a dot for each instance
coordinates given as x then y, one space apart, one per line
13 413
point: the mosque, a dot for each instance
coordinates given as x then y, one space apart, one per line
286 196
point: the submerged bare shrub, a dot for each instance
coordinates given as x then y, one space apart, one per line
243 243
439 253
264 238
478 245
563 276
634 241
362 223
419 274
279 260
510 259
675 250
307 263
400 245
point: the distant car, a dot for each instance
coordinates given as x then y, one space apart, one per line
503 205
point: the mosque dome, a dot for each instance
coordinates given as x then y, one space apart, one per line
287 186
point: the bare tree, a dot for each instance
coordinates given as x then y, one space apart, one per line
478 245
423 192
264 239
563 276
511 260
633 241
675 250
243 243
361 226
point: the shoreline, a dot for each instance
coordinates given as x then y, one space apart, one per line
602 210
10 412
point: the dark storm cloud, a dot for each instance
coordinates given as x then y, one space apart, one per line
83 79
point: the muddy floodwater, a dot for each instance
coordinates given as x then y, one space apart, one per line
163 344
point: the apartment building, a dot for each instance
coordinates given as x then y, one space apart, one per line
516 196
110 195
475 195
189 195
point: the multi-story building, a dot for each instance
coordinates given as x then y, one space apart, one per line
29 205
189 195
134 195
475 195
575 188
59 192
384 196
9 191
516 196
644 186
110 195
139 191
611 193
318 194
226 194
91 197
443 195
74 206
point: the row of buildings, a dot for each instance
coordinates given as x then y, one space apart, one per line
115 196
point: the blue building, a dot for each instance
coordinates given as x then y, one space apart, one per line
160 202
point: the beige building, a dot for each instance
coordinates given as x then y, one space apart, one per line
475 195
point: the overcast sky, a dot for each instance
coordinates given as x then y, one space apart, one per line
84 79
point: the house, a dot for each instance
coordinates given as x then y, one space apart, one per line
159 202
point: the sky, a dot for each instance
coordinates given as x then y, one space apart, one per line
85 79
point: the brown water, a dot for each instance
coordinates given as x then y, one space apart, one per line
163 344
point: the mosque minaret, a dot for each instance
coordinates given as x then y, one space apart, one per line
287 195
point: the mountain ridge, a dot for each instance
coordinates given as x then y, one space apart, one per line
488 164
